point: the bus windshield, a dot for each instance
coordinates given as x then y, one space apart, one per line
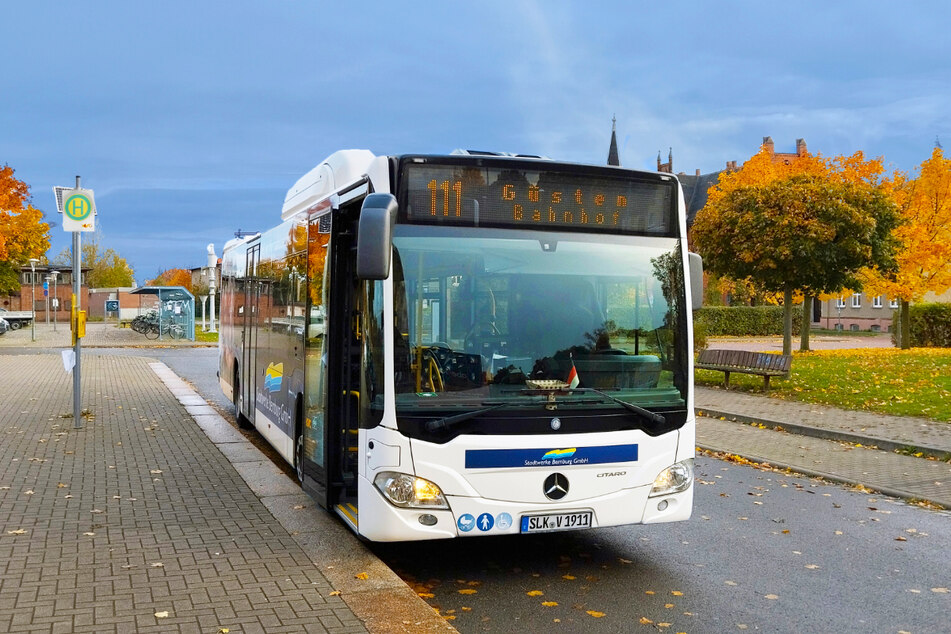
501 317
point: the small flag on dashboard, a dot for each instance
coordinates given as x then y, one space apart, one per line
573 380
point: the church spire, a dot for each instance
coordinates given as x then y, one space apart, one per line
613 158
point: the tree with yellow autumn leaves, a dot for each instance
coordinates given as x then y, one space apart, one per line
924 239
172 277
23 233
807 226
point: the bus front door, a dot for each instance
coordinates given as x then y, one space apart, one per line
344 356
315 424
252 294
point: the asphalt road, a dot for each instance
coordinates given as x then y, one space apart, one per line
764 552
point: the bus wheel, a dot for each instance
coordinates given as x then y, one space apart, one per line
299 443
299 457
238 401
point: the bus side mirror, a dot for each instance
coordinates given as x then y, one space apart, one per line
375 236
695 263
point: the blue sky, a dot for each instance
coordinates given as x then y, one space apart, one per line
191 119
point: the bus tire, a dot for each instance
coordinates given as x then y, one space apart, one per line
299 443
238 401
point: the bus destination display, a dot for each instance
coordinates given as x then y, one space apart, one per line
494 197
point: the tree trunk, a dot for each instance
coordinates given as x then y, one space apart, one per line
905 332
806 323
787 320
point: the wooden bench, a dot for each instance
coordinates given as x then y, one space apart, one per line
764 364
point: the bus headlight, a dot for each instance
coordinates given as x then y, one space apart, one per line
410 492
673 479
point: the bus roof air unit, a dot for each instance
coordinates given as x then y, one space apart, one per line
337 170
503 154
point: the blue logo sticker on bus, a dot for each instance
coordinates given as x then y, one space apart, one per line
503 521
547 457
273 377
466 523
485 522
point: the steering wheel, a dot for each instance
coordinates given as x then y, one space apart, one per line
440 351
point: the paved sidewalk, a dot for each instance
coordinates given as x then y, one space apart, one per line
808 450
98 335
868 428
139 522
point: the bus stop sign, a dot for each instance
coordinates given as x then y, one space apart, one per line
79 210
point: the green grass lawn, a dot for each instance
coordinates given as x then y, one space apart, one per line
207 337
914 382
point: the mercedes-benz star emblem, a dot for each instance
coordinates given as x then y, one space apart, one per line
556 486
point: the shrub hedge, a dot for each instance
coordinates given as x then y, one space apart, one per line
744 321
930 325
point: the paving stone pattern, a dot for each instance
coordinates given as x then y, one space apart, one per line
98 335
897 430
902 476
136 514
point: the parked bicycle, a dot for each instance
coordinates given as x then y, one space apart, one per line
142 323
173 330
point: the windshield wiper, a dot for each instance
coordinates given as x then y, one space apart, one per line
637 409
448 421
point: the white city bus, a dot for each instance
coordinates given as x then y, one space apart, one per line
470 344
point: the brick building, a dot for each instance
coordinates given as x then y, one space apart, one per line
56 302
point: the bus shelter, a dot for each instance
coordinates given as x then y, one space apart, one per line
173 305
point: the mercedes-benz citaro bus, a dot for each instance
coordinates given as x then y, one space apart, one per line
470 344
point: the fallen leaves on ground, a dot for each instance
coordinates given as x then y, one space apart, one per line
534 593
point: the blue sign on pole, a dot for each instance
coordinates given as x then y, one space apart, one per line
112 305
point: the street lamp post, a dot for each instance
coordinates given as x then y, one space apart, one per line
46 294
33 263
213 274
55 276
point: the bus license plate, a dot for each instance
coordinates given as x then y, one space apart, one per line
556 522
